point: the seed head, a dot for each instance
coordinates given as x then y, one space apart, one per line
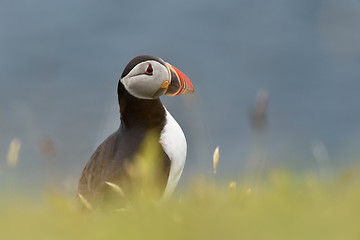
216 158
232 186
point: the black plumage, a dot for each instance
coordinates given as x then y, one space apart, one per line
111 159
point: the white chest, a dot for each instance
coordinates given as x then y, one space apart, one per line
173 142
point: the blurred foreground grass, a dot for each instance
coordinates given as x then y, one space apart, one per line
282 207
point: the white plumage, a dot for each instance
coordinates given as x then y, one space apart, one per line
173 141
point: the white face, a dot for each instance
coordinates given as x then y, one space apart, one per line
143 83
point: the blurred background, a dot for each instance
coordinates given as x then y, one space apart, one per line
277 83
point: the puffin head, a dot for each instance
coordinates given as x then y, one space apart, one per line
148 77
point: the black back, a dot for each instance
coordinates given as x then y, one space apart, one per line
112 158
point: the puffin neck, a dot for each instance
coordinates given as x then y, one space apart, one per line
136 112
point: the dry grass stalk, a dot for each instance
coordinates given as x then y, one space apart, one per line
85 202
116 188
13 154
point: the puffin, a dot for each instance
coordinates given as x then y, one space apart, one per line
144 79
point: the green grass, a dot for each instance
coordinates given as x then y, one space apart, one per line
281 207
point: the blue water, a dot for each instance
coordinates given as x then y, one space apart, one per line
60 62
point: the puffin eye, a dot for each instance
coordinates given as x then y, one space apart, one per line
149 70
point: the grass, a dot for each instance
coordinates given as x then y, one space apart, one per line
281 207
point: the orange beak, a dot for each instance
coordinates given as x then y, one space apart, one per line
179 82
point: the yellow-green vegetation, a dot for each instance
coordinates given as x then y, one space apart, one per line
281 207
